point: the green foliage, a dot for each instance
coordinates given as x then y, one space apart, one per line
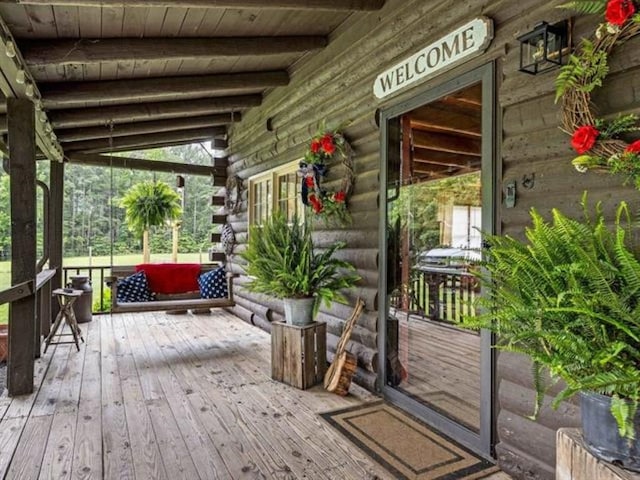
150 204
282 263
586 6
584 71
627 163
106 301
620 125
570 299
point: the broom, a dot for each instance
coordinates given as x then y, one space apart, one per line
338 376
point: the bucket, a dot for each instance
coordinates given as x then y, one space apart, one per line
299 311
82 307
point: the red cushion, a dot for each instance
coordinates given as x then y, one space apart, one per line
171 277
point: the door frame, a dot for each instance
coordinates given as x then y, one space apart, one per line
483 442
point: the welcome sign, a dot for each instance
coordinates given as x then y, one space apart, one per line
468 40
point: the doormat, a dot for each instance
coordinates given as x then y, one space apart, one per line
406 447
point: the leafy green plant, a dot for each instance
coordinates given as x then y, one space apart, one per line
586 6
570 299
282 263
150 204
584 71
106 301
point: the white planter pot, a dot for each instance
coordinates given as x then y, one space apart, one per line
298 311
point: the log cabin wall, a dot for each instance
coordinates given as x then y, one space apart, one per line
336 85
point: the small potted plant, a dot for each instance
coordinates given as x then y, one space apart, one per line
282 263
570 299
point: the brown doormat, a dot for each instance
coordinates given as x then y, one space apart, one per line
406 447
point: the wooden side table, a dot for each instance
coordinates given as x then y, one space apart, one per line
299 354
66 297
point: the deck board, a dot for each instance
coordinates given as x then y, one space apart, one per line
173 396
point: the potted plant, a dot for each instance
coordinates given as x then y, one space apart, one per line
570 299
282 263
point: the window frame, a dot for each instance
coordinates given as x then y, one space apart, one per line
274 175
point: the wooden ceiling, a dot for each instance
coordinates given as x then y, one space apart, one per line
444 138
157 72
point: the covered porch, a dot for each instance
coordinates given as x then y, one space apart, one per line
173 396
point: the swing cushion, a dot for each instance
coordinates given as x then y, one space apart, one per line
213 284
134 289
171 277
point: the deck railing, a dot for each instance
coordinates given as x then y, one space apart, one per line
441 294
96 276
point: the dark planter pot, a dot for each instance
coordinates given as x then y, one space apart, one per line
601 433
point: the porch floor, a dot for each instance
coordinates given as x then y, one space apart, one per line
169 397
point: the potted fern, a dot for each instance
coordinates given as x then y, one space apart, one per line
282 262
570 299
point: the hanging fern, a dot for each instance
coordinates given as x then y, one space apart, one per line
586 6
570 299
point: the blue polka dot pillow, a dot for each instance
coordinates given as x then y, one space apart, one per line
213 284
134 288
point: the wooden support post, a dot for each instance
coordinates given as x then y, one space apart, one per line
22 313
56 203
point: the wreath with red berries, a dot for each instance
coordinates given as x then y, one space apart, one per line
599 142
324 149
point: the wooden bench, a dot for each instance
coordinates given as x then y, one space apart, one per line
178 301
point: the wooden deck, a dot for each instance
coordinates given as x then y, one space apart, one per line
171 397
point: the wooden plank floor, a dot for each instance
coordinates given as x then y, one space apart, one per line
156 396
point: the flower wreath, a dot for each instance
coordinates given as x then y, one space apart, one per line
324 148
597 141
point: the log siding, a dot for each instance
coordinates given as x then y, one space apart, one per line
336 85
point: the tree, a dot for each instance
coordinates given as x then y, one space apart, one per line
150 204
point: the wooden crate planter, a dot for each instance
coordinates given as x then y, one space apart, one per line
575 462
299 354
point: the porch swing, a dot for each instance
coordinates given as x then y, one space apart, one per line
187 300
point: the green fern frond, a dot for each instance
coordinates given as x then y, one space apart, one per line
586 6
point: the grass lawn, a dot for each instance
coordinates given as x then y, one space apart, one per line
132 259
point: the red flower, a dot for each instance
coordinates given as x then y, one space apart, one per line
317 207
619 11
340 196
327 144
584 139
309 181
315 146
633 148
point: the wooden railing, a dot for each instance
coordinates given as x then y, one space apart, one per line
441 294
41 288
96 276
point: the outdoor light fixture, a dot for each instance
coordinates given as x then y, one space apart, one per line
542 48
29 90
10 49
21 77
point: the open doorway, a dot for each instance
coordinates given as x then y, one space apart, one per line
439 177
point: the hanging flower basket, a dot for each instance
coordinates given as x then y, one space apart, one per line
599 142
324 150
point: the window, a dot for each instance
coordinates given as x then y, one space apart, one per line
275 190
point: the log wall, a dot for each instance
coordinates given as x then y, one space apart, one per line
336 85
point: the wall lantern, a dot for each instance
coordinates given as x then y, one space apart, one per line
541 49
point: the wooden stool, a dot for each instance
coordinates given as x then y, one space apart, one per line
66 297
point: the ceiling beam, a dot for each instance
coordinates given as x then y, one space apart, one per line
53 53
89 117
439 120
432 157
96 160
142 128
61 95
134 142
348 5
444 142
